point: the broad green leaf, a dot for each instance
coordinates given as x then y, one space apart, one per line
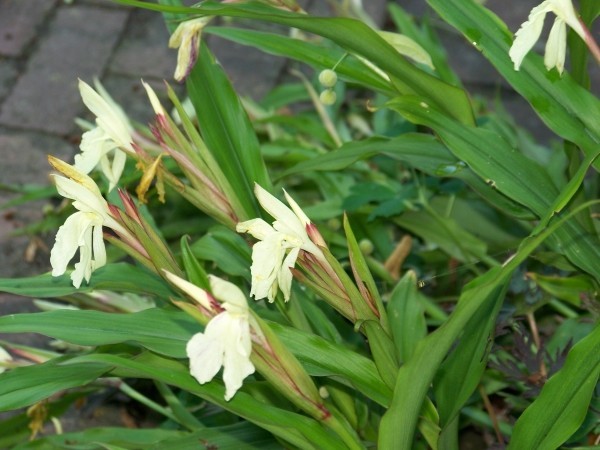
446 233
510 172
567 108
24 386
301 431
352 35
194 271
407 316
461 372
422 151
563 403
120 277
162 331
324 358
167 332
319 56
570 289
226 249
243 436
227 130
416 375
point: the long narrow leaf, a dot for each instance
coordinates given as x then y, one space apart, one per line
352 35
563 403
567 108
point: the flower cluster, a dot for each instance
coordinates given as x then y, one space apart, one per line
289 233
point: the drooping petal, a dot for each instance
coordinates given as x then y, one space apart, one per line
98 247
68 238
556 46
267 257
284 277
93 146
237 364
83 269
528 34
206 356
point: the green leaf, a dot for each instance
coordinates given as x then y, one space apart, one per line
424 152
24 386
461 372
319 56
242 436
301 431
509 171
226 249
567 108
227 130
355 37
194 271
120 277
162 331
415 376
563 403
407 317
324 358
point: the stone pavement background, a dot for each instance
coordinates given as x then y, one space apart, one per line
45 45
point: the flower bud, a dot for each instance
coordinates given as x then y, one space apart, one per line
328 97
328 78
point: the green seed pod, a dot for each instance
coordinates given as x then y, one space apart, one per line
328 97
328 78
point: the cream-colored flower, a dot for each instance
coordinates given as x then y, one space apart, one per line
226 341
111 137
529 33
82 230
270 266
187 38
4 358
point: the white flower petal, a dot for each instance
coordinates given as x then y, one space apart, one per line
198 294
98 247
67 241
564 9
107 117
528 34
267 257
237 363
281 213
256 227
4 357
206 356
225 342
284 277
229 294
556 46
